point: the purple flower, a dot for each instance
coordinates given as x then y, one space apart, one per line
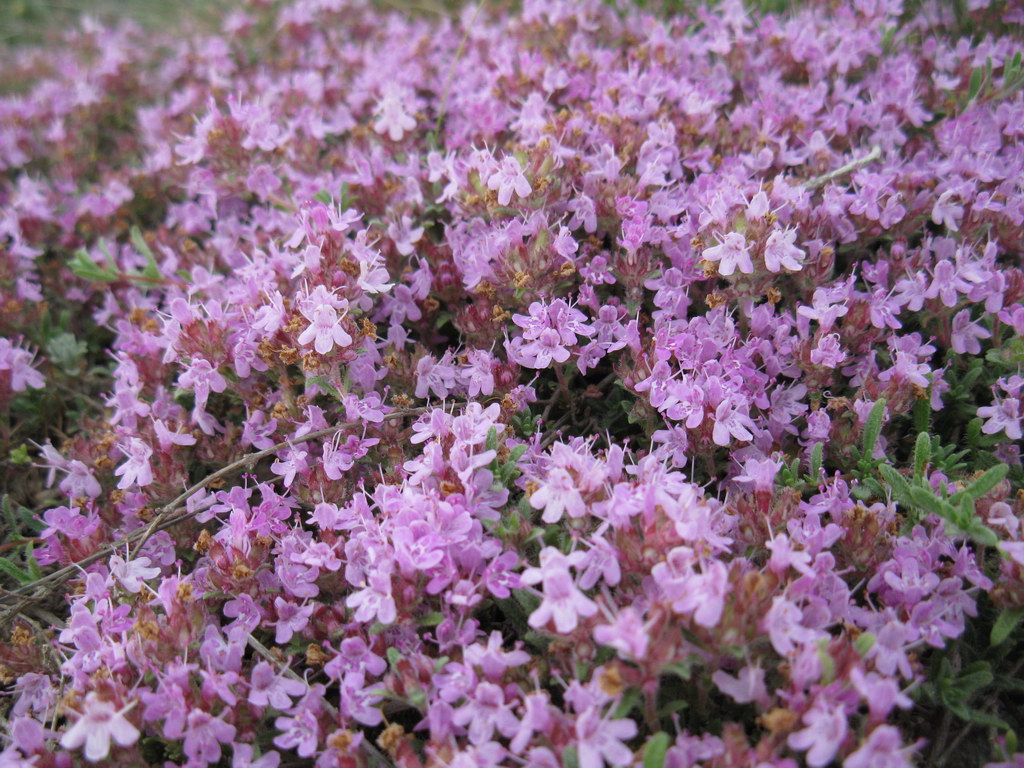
136 470
301 732
967 334
599 740
268 688
324 313
132 574
203 736
781 253
563 602
507 178
393 117
484 711
883 749
826 729
100 723
748 686
17 362
291 619
731 254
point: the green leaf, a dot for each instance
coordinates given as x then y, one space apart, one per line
15 572
517 453
83 266
323 196
492 439
922 453
656 749
817 453
19 455
394 656
67 352
989 480
570 757
152 269
864 643
630 698
432 619
975 85
981 534
326 386
873 428
922 414
1008 620
974 677
925 499
986 719
900 487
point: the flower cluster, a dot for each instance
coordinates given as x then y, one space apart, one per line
570 385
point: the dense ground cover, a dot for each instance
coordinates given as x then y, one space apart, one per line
562 386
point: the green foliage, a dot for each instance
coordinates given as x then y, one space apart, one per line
957 510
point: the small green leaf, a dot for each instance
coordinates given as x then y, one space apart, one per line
873 428
432 619
986 719
981 534
922 454
394 656
989 480
864 643
152 269
656 749
20 455
570 757
974 677
630 698
326 386
323 196
517 453
15 572
925 499
817 452
84 267
975 85
492 439
1008 620
899 485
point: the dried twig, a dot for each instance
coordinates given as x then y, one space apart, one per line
375 756
41 588
850 167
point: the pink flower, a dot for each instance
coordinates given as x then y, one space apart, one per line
731 254
132 574
100 722
781 253
136 470
393 117
967 334
1003 416
745 688
374 601
509 178
204 734
558 493
824 734
829 352
599 740
325 328
18 362
946 212
563 602
883 749
291 619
